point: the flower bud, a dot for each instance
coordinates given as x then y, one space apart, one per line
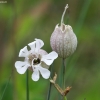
63 40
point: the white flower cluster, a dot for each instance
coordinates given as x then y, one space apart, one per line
36 59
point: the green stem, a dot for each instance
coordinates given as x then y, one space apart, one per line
27 86
64 73
49 92
50 85
65 98
64 68
60 80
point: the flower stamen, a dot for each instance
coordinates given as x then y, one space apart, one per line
36 61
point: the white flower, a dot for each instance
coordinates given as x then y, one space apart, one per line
36 59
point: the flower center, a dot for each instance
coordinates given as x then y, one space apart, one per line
36 61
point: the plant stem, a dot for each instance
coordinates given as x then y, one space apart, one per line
27 86
60 79
64 68
65 98
64 73
50 85
49 92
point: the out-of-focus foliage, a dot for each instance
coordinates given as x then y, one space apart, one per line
21 21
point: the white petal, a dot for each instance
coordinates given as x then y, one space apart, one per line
21 66
42 52
49 58
36 45
23 69
32 45
23 52
39 43
35 75
44 72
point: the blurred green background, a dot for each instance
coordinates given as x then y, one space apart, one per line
21 21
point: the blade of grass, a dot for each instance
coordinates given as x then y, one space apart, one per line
27 86
6 87
82 15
